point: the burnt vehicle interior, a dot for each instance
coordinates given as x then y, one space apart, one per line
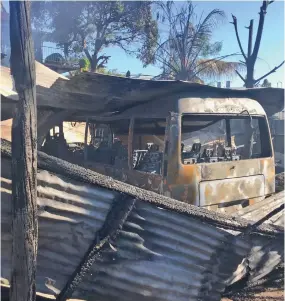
107 143
205 138
215 138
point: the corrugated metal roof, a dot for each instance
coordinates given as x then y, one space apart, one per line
264 207
161 254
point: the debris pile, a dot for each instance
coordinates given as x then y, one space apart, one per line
101 238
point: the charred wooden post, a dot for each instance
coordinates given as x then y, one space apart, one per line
24 157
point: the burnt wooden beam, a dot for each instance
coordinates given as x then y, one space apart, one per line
24 157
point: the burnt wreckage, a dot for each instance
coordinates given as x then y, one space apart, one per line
178 145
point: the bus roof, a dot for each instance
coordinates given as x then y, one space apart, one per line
194 105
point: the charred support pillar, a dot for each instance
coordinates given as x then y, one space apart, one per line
24 157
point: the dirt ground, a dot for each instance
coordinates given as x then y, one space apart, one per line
271 294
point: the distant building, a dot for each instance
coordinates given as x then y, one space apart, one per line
142 76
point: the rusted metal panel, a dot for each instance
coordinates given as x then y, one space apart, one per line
183 181
223 191
186 183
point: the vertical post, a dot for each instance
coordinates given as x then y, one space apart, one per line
228 133
24 157
130 143
85 140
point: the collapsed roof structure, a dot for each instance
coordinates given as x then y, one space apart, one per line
142 245
60 99
98 93
78 201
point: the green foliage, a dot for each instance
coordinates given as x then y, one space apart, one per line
95 25
84 64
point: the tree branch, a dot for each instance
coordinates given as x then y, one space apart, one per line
250 28
237 35
272 71
259 30
242 78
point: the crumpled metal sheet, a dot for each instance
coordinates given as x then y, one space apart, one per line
163 255
160 254
262 208
266 253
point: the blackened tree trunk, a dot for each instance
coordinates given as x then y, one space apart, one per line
24 157
251 57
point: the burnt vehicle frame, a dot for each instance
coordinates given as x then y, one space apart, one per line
216 182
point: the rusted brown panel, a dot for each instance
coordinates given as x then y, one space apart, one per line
267 167
152 182
227 190
230 169
185 187
181 182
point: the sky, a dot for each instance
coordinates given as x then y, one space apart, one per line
271 51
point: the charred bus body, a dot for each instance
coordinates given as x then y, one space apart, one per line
210 152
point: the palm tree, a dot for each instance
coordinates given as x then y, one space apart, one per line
187 52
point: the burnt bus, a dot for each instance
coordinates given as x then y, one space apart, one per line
210 152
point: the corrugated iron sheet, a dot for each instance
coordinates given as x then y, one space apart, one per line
262 208
69 215
160 254
266 254
165 256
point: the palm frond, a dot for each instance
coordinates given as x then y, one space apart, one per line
214 68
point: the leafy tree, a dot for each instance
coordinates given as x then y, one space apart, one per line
251 57
79 26
266 83
187 52
84 64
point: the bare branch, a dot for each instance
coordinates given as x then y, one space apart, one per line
250 28
272 71
237 35
242 78
262 14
